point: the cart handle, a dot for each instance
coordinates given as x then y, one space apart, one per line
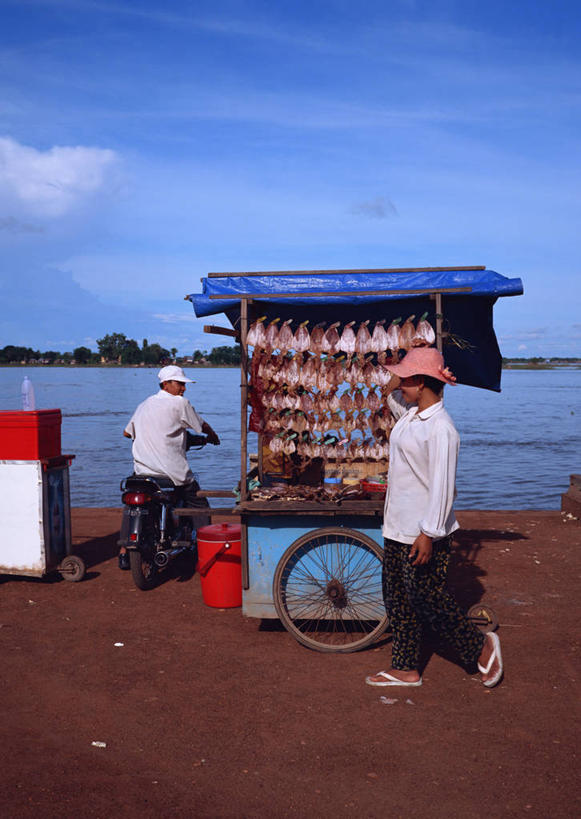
203 570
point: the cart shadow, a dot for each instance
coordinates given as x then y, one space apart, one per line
271 625
98 549
277 626
50 579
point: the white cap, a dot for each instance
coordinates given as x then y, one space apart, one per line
173 373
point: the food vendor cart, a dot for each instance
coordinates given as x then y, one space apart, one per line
35 515
311 537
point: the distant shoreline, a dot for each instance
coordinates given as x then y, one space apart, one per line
529 365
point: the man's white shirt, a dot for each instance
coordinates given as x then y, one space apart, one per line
158 428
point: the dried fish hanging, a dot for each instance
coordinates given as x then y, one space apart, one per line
424 335
312 402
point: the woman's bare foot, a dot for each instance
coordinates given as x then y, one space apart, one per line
404 676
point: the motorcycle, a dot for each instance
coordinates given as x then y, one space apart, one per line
152 533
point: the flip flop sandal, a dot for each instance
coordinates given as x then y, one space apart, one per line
389 680
496 655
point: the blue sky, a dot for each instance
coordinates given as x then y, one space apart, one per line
144 144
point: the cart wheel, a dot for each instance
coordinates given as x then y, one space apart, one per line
72 568
327 590
483 617
143 570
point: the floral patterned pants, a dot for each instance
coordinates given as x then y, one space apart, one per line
415 596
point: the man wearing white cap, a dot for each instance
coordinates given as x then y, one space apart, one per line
158 429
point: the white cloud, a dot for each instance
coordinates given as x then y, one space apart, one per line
174 318
529 334
51 183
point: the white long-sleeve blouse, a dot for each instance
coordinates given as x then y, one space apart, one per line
421 488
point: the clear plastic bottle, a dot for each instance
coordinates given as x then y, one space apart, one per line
27 392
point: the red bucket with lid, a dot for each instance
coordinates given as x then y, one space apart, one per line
220 564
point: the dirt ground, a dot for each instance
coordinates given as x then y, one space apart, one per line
204 713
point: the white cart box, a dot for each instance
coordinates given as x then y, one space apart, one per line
35 516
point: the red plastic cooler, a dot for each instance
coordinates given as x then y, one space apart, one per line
30 435
220 565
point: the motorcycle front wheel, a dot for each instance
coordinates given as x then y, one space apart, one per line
143 569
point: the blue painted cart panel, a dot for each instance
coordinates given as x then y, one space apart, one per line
268 539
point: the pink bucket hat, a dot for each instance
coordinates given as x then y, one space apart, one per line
423 361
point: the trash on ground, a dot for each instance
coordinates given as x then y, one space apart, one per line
99 744
387 700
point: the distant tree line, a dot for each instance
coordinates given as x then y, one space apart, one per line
116 348
219 356
12 354
541 360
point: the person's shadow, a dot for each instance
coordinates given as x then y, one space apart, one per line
464 582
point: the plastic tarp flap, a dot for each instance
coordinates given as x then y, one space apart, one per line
355 287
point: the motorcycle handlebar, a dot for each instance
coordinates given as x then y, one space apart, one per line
195 441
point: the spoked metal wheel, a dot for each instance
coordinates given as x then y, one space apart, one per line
327 590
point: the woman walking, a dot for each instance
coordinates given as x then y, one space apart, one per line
418 524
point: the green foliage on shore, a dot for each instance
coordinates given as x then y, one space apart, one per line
117 349
539 363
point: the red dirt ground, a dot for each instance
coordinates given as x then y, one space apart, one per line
208 714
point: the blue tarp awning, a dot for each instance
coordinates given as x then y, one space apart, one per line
354 286
468 295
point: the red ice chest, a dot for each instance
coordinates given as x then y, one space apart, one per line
220 565
30 435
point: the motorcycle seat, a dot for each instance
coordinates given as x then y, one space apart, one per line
152 481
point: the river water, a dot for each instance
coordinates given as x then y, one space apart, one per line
517 452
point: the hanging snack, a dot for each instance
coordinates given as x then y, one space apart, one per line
393 336
424 335
407 333
302 339
309 372
286 337
346 402
271 335
256 395
369 372
317 335
256 336
331 342
379 341
373 402
363 340
348 339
